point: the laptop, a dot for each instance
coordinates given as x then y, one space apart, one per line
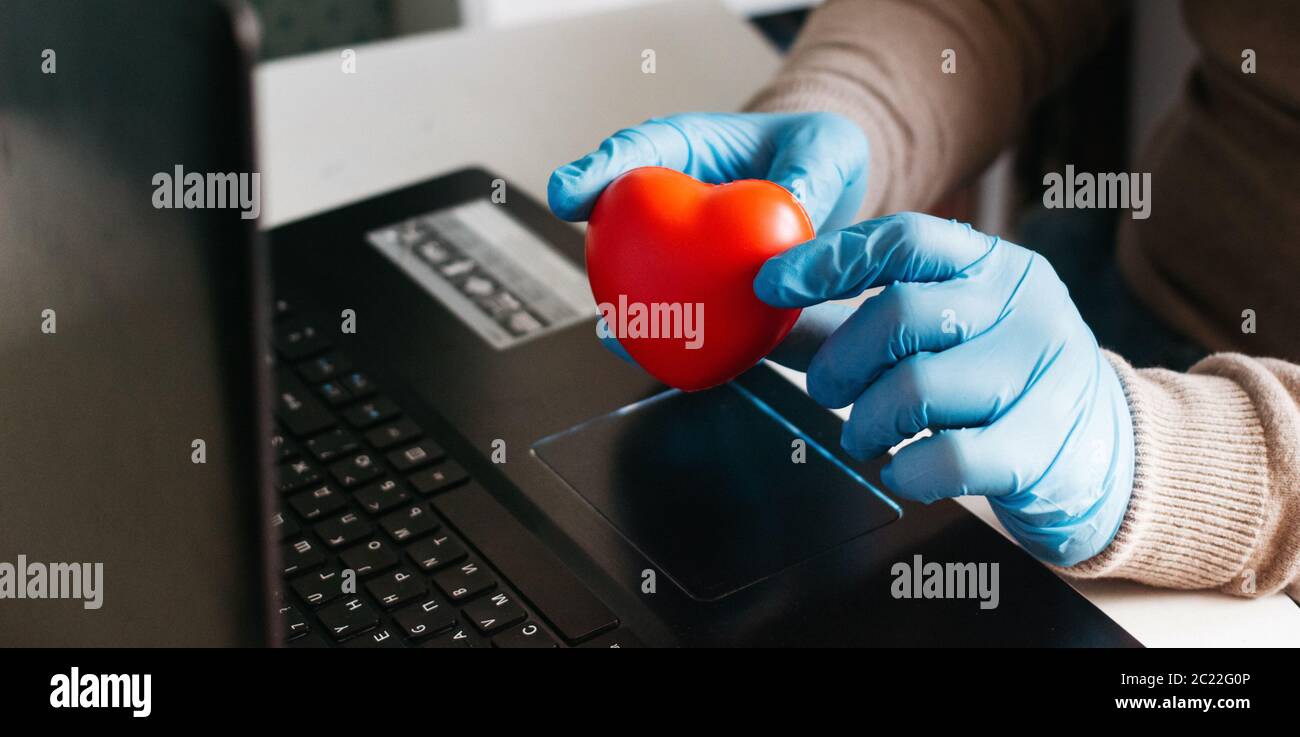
391 424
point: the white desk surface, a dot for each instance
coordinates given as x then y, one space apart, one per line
522 100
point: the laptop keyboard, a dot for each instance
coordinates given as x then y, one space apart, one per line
387 541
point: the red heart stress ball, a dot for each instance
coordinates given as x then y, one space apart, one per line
672 262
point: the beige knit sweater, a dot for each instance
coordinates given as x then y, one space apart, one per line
1216 498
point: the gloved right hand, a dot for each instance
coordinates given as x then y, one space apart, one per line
821 158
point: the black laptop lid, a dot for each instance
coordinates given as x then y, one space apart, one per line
126 329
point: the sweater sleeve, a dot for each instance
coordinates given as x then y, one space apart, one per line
1216 491
938 86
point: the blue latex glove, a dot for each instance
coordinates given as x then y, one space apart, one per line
978 340
819 157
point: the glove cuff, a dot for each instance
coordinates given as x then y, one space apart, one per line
1199 488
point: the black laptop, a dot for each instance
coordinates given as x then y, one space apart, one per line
412 438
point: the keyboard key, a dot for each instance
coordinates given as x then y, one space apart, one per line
429 617
409 523
334 393
318 502
343 530
356 470
372 557
396 587
373 412
465 581
567 603
393 433
420 454
300 556
333 444
382 496
456 638
312 640
295 475
296 340
323 368
494 612
436 551
320 587
439 478
358 384
348 617
293 622
283 526
619 638
378 638
302 413
526 635
282 447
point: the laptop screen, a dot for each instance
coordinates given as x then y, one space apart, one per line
130 502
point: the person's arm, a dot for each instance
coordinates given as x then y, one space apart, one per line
1181 480
1216 488
878 62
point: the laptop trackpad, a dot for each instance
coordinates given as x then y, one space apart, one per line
707 487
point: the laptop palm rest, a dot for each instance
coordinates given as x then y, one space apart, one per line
713 487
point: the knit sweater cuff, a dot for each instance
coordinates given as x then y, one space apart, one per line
1199 488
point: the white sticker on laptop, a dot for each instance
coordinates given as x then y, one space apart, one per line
494 274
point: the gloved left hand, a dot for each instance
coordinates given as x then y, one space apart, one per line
976 339
821 158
